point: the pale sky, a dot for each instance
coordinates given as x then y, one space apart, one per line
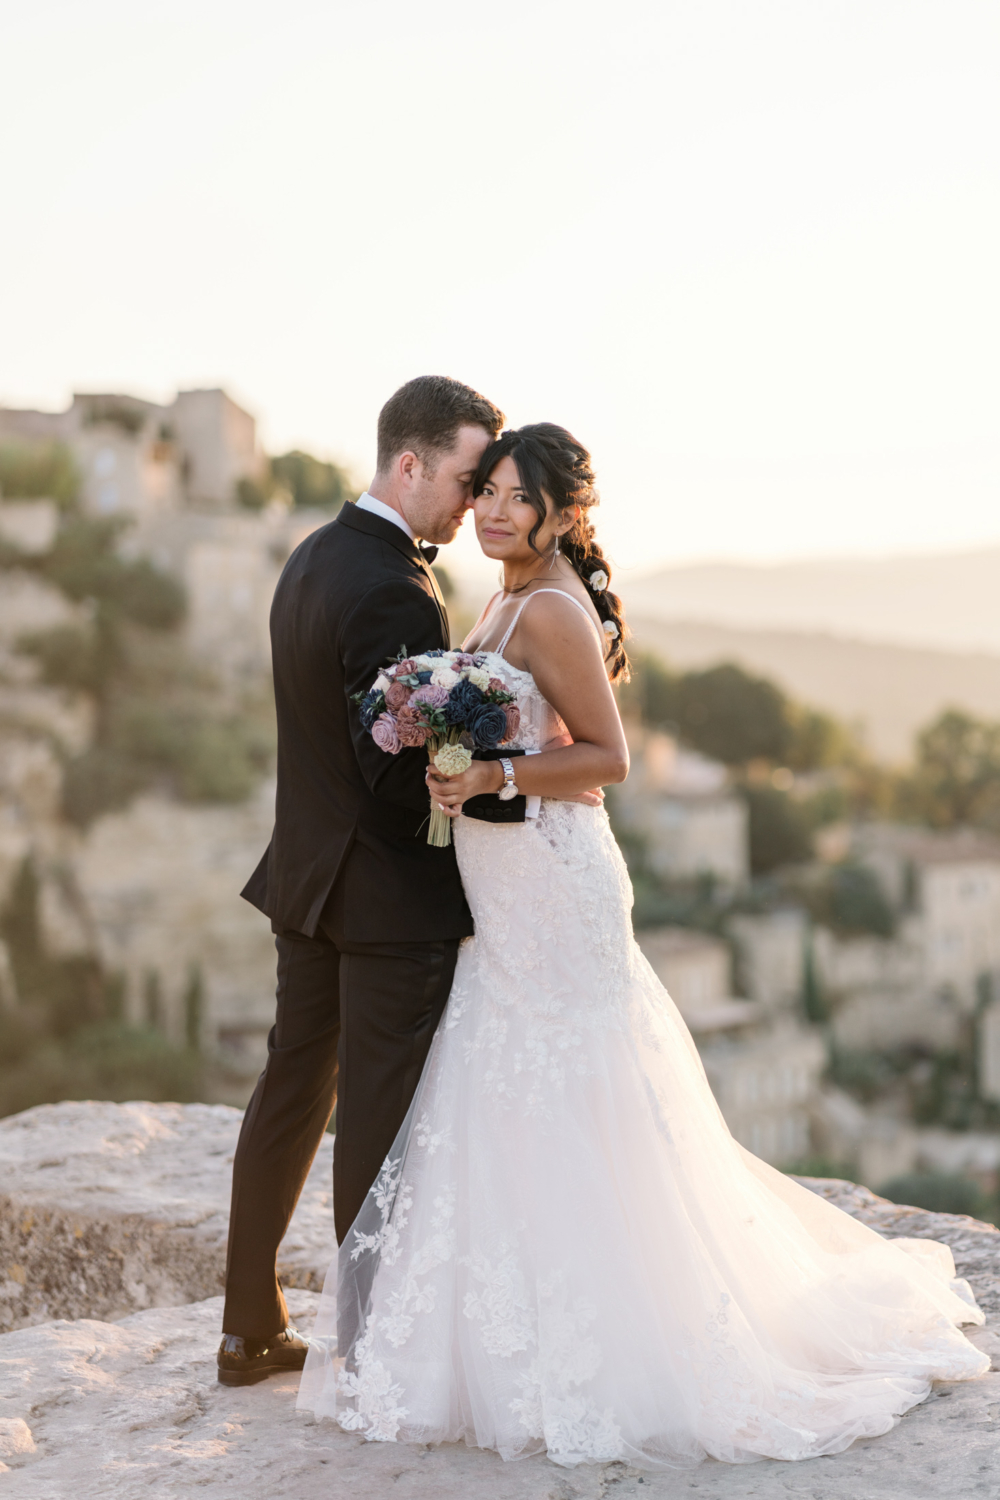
746 250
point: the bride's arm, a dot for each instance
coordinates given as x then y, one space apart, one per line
562 653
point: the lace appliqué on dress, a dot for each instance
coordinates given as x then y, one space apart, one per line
552 1405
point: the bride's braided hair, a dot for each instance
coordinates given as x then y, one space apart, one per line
551 462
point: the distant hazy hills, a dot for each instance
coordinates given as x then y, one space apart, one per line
889 691
943 602
885 643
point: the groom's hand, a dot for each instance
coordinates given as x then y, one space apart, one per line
449 792
589 799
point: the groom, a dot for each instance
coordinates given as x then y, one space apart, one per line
367 915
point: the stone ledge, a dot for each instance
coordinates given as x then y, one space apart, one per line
109 1208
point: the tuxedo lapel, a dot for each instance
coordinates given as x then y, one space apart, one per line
388 531
442 607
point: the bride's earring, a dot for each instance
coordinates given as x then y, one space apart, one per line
555 554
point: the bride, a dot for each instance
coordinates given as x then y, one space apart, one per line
566 1251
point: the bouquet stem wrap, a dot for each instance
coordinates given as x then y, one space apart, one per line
457 760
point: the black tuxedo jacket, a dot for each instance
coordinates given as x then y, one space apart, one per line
349 598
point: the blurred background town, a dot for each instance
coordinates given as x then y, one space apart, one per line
812 821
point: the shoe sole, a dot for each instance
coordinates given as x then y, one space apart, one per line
254 1377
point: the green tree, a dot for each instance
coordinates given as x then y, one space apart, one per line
651 695
779 832
956 777
311 482
733 716
851 900
817 740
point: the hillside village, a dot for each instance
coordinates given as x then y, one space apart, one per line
838 969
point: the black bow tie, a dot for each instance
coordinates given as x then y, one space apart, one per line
426 552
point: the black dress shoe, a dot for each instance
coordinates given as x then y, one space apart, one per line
245 1361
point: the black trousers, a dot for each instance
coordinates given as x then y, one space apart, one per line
354 1025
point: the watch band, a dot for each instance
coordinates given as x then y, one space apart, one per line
509 788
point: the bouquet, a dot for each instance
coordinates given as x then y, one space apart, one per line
446 701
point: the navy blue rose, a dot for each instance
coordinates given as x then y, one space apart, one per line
487 725
423 678
372 704
465 699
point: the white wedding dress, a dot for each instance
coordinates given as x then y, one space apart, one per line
567 1252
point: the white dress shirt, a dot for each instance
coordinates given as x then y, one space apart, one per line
379 508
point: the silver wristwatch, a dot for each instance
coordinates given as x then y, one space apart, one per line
509 788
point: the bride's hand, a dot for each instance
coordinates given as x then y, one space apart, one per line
449 792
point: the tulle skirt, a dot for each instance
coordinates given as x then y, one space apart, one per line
567 1252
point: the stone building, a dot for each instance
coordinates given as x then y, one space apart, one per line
682 806
770 956
143 460
229 563
938 973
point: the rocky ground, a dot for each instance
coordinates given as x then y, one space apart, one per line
128 1406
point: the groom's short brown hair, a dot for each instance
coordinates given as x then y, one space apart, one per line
424 415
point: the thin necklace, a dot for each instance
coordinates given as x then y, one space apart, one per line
522 586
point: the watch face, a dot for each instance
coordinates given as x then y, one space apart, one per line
506 792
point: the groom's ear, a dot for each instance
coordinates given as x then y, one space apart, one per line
408 467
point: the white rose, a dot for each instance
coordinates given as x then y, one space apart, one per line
453 760
611 629
599 581
382 682
479 677
445 677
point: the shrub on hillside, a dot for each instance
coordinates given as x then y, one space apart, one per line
37 471
938 1192
779 830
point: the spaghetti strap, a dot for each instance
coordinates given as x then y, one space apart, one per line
582 607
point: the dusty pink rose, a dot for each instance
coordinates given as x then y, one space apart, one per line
496 686
430 696
410 727
464 659
404 668
397 696
513 720
385 734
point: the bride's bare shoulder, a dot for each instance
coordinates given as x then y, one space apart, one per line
559 613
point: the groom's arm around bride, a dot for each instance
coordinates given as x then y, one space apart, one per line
367 915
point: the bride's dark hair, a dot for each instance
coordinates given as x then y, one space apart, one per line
550 461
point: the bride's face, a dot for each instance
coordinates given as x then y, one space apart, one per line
505 517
